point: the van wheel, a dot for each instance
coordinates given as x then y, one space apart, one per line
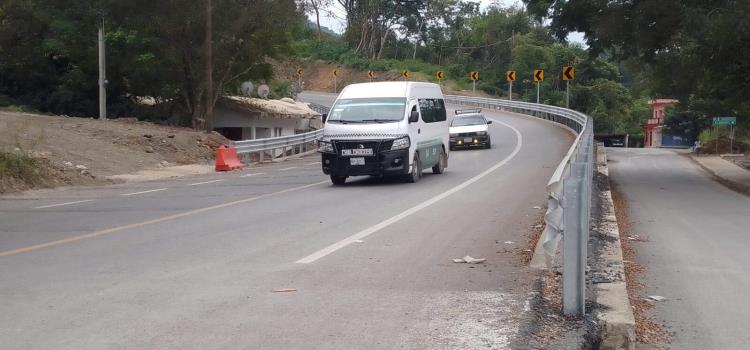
338 180
439 168
489 144
416 173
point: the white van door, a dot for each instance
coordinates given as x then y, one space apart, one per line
415 130
432 125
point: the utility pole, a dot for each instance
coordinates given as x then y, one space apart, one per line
207 123
102 73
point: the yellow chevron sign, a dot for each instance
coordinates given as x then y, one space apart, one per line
539 75
569 73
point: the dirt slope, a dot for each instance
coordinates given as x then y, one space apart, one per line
81 151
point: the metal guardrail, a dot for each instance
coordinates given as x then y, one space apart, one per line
296 143
569 188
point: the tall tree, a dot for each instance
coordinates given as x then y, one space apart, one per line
315 7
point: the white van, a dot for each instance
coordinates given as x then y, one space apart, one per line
385 129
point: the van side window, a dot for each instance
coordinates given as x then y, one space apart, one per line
440 113
433 110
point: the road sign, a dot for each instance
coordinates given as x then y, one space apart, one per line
725 120
371 74
335 72
440 75
475 75
510 75
405 73
569 73
299 71
539 75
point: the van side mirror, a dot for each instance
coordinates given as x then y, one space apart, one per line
414 117
489 122
324 117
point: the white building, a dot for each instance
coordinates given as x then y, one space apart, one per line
245 118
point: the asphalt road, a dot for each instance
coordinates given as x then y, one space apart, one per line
696 248
194 262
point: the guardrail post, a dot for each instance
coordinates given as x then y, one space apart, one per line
575 240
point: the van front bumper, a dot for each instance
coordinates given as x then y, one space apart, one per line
387 163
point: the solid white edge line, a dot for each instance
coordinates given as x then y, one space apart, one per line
372 229
61 204
143 192
205 182
248 175
290 168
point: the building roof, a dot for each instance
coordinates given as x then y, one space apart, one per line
662 101
284 108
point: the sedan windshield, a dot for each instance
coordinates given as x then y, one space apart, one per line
473 120
368 110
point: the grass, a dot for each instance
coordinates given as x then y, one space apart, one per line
19 167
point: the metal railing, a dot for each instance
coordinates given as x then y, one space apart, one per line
270 147
569 188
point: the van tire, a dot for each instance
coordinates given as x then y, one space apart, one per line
416 172
439 168
338 180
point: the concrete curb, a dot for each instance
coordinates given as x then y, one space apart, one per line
734 185
614 312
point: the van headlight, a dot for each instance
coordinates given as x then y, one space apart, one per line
401 143
325 147
481 133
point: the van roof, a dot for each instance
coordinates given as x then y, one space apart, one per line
384 89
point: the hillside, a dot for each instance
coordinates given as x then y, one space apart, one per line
318 76
40 151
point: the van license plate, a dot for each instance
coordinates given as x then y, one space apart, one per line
357 152
467 139
357 161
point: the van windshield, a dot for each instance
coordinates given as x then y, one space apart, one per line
368 110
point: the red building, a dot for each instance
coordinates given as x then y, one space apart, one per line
654 126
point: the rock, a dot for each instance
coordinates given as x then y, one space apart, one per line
81 167
163 141
171 136
148 136
469 260
149 149
68 164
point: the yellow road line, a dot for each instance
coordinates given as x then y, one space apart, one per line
149 222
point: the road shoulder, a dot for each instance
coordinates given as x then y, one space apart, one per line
725 172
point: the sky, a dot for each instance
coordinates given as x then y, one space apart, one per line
337 21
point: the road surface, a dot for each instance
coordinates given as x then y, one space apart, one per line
696 253
203 262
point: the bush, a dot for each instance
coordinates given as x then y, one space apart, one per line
18 166
708 135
